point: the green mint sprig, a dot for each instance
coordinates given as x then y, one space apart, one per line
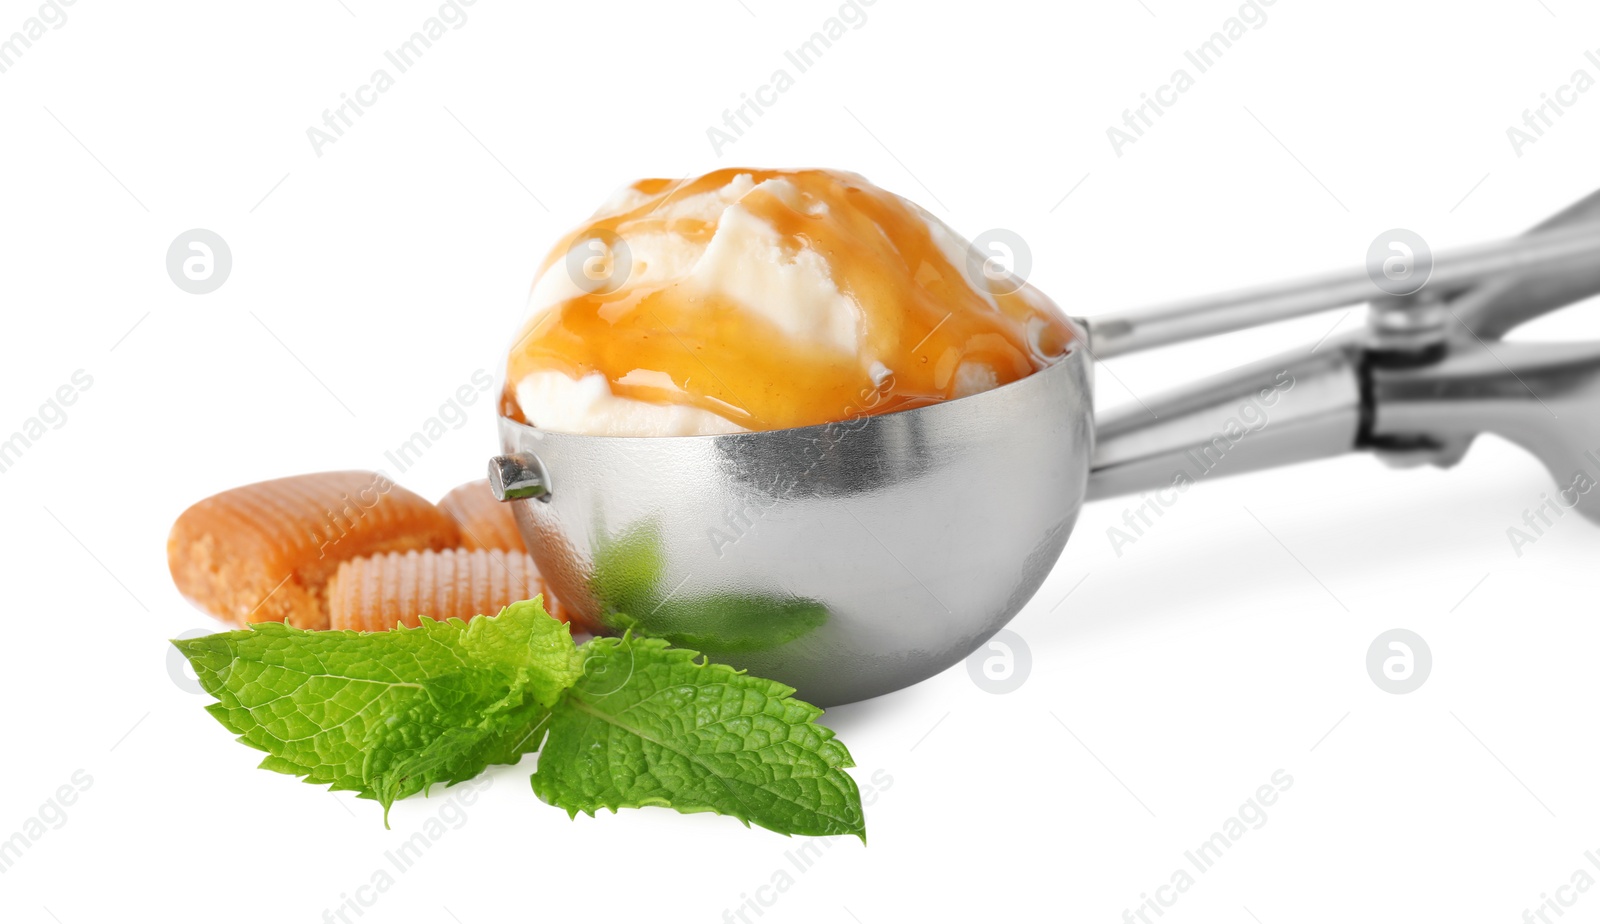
619 723
649 725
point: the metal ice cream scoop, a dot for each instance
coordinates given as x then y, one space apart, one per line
855 558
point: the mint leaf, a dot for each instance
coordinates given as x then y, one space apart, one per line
629 577
628 569
624 722
646 724
388 714
728 623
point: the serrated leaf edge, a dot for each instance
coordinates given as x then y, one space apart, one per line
778 689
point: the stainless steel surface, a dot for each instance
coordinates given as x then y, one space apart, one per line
1488 312
856 558
515 477
1553 251
846 560
1413 324
1295 407
1543 396
1492 308
1144 446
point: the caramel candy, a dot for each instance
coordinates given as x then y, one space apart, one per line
377 593
265 552
485 522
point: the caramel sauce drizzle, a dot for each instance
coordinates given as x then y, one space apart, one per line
922 318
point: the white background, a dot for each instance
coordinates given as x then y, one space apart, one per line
369 283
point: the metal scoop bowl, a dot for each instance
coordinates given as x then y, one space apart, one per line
855 558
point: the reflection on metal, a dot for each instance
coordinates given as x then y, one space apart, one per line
856 558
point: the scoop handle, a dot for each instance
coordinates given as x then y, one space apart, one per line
1357 391
1543 396
1525 270
1493 308
1295 407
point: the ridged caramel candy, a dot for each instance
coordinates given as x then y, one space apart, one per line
485 522
265 552
377 593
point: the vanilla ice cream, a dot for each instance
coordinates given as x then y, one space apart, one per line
765 299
